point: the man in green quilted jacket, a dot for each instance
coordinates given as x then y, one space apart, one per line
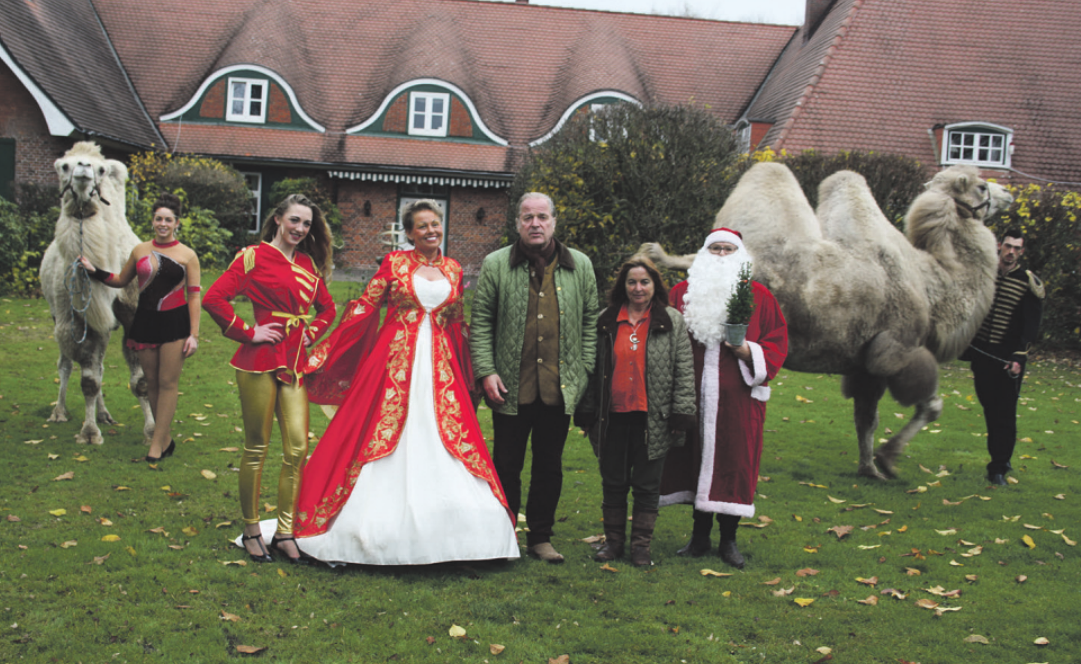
533 339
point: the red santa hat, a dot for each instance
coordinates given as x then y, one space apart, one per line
724 235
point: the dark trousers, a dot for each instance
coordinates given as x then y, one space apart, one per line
997 392
703 524
549 426
625 464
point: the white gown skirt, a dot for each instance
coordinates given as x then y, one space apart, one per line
419 505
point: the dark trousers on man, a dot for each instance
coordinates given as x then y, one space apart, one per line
997 392
625 464
549 426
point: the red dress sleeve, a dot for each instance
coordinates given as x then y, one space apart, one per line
333 363
217 301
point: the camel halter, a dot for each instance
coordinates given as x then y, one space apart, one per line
77 279
973 210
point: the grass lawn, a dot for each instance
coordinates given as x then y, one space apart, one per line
122 563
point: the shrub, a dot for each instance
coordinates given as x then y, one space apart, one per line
199 229
26 229
207 182
628 174
1048 216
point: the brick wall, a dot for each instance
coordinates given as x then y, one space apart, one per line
468 241
21 119
278 109
213 105
460 122
397 117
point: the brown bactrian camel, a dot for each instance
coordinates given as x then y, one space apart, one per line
862 299
92 223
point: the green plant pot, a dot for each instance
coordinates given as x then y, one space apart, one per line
735 334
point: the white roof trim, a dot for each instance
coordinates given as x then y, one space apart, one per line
575 105
986 125
393 94
409 178
58 122
234 68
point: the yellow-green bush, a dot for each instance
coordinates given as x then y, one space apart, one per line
1048 216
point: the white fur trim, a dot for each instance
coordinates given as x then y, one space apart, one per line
755 379
735 509
723 236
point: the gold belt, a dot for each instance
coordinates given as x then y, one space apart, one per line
292 320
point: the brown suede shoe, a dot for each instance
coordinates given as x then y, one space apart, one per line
546 552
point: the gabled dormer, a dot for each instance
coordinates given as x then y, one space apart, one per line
428 108
245 95
589 103
980 144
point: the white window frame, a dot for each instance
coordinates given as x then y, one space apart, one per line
257 197
427 114
976 143
247 100
743 137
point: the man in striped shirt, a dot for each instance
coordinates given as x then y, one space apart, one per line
1000 350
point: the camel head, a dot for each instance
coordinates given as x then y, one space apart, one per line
86 177
974 197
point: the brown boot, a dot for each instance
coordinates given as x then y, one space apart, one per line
615 533
641 535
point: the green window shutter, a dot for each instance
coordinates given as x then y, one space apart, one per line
7 168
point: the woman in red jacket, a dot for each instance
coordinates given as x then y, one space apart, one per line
284 278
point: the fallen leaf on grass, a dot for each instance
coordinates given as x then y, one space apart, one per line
33 442
772 583
105 522
919 489
229 449
954 563
81 458
13 518
836 501
85 508
1022 578
806 571
1012 480
912 571
110 538
608 568
872 546
896 594
971 577
1060 496
976 638
176 547
1028 542
873 581
811 549
250 650
804 601
70 475
927 603
947 502
121 488
1056 464
159 531
1031 527
840 531
495 648
592 539
950 531
68 544
231 617
282 573
709 572
131 551
100 559
562 659
1068 541
824 650
882 511
189 531
456 631
1001 541
1042 641
223 524
430 640
241 563
267 507
783 592
207 474
870 601
59 512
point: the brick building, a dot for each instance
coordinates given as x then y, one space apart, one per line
387 102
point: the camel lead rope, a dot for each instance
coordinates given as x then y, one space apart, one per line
77 282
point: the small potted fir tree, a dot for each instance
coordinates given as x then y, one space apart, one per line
740 308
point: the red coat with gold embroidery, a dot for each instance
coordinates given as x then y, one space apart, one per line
281 291
367 370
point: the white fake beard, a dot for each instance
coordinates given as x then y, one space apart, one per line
710 282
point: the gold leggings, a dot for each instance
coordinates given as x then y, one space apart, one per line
262 397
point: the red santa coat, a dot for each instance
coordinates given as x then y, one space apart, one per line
717 470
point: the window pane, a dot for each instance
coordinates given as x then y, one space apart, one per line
437 122
256 108
238 107
955 138
437 106
419 104
240 90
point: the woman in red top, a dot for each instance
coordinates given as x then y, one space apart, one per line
284 278
640 401
165 331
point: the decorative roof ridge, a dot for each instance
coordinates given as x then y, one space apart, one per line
816 76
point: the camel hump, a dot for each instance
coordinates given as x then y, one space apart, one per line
850 215
768 207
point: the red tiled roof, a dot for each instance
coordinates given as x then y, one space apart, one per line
62 47
522 65
900 67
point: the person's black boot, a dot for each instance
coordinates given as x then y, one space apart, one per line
728 551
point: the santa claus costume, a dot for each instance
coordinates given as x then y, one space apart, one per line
717 470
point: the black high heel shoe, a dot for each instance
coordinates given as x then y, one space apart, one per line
167 453
263 557
302 559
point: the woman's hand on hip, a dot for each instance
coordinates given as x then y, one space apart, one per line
269 333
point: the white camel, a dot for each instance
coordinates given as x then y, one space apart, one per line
862 299
92 223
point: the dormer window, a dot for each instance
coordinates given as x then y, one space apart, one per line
977 144
247 100
428 113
